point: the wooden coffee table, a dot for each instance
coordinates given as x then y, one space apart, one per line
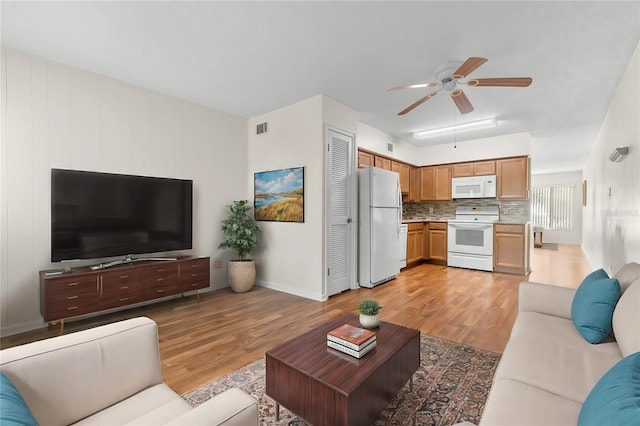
327 387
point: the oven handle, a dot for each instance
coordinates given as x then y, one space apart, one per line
471 225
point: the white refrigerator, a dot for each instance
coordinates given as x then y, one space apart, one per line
380 220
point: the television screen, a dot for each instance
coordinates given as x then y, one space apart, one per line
96 215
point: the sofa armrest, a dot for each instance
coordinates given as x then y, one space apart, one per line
546 299
232 407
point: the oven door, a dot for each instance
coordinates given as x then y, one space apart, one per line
470 238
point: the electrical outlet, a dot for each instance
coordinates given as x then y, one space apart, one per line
217 264
430 210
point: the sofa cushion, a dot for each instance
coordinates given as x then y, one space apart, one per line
627 275
616 397
96 368
13 409
626 318
155 405
518 404
547 352
593 305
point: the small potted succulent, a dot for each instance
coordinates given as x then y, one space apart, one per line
369 313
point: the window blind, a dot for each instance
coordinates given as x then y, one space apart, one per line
552 207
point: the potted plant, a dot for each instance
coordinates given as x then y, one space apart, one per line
242 235
369 313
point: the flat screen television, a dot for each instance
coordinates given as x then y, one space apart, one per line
98 215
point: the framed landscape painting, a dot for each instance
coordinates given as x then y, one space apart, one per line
279 195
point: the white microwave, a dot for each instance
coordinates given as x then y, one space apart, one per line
474 187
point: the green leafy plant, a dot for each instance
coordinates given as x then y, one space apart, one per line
369 307
240 229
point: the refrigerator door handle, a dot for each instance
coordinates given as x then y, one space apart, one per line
399 191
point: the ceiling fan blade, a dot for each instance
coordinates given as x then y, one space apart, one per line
501 82
414 86
417 103
461 101
468 67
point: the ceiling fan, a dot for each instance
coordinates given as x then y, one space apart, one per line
449 80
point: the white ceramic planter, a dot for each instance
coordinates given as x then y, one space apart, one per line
370 321
241 275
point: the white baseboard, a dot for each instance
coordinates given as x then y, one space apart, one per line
290 290
21 328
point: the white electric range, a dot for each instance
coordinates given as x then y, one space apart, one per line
470 237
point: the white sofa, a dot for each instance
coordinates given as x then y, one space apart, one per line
548 368
110 375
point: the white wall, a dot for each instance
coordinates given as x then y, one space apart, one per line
512 145
376 140
570 178
611 219
290 257
55 116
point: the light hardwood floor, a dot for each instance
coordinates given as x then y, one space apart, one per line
201 341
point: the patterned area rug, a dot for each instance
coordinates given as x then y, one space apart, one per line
450 386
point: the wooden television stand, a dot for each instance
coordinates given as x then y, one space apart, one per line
85 290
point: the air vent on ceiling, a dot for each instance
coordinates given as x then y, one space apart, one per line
261 128
389 147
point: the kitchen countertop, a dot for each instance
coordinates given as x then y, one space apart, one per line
505 221
428 219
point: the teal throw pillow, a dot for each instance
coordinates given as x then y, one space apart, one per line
13 409
615 399
593 305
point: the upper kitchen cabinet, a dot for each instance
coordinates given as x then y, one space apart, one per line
435 183
477 168
365 159
513 178
404 171
381 162
414 184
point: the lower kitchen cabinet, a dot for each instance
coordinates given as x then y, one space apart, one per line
511 248
438 242
415 236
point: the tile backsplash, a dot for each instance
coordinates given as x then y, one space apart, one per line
510 211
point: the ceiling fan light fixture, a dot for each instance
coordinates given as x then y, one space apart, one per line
463 127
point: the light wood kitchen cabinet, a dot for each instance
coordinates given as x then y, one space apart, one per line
435 183
404 171
438 242
475 168
414 184
415 236
484 168
511 248
382 162
365 159
513 178
462 170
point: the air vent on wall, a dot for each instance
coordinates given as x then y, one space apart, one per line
261 128
389 147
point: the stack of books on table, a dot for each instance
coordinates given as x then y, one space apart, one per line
351 340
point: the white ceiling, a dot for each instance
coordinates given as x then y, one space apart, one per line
248 58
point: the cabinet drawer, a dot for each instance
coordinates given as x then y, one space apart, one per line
160 276
114 284
63 289
415 226
438 225
509 229
71 306
157 292
196 265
